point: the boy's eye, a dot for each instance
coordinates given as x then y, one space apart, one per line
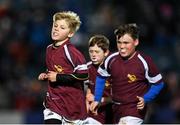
96 51
55 24
62 28
90 51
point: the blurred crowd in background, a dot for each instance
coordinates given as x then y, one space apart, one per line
25 27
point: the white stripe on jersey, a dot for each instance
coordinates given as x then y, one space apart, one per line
150 79
68 55
80 67
108 58
89 63
103 72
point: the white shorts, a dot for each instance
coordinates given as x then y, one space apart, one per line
130 120
91 121
48 114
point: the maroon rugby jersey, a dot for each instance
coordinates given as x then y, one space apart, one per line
102 111
130 78
66 100
92 80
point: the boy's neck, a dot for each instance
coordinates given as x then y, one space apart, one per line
129 57
58 43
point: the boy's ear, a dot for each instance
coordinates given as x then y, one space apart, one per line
136 42
70 34
106 53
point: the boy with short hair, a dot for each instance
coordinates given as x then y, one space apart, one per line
136 80
66 73
98 51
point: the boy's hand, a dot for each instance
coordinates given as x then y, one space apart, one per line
141 103
87 105
89 97
51 75
42 76
94 107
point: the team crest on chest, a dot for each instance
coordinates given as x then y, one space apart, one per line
132 78
58 68
107 84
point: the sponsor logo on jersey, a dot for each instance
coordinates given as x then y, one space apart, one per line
132 78
59 68
107 84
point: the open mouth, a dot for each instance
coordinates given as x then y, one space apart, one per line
55 34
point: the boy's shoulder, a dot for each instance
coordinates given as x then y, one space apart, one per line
73 50
50 45
112 55
144 56
89 63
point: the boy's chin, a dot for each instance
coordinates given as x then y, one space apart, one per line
96 63
54 39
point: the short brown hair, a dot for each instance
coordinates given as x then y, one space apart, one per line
101 41
131 29
71 18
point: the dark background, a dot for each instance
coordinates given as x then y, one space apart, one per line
25 27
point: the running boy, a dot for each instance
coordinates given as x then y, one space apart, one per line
135 78
66 72
98 50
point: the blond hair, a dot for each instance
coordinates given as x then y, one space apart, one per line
70 17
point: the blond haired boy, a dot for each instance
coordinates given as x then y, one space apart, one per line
66 72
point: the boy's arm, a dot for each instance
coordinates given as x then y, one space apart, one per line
99 88
68 78
89 95
153 91
149 95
